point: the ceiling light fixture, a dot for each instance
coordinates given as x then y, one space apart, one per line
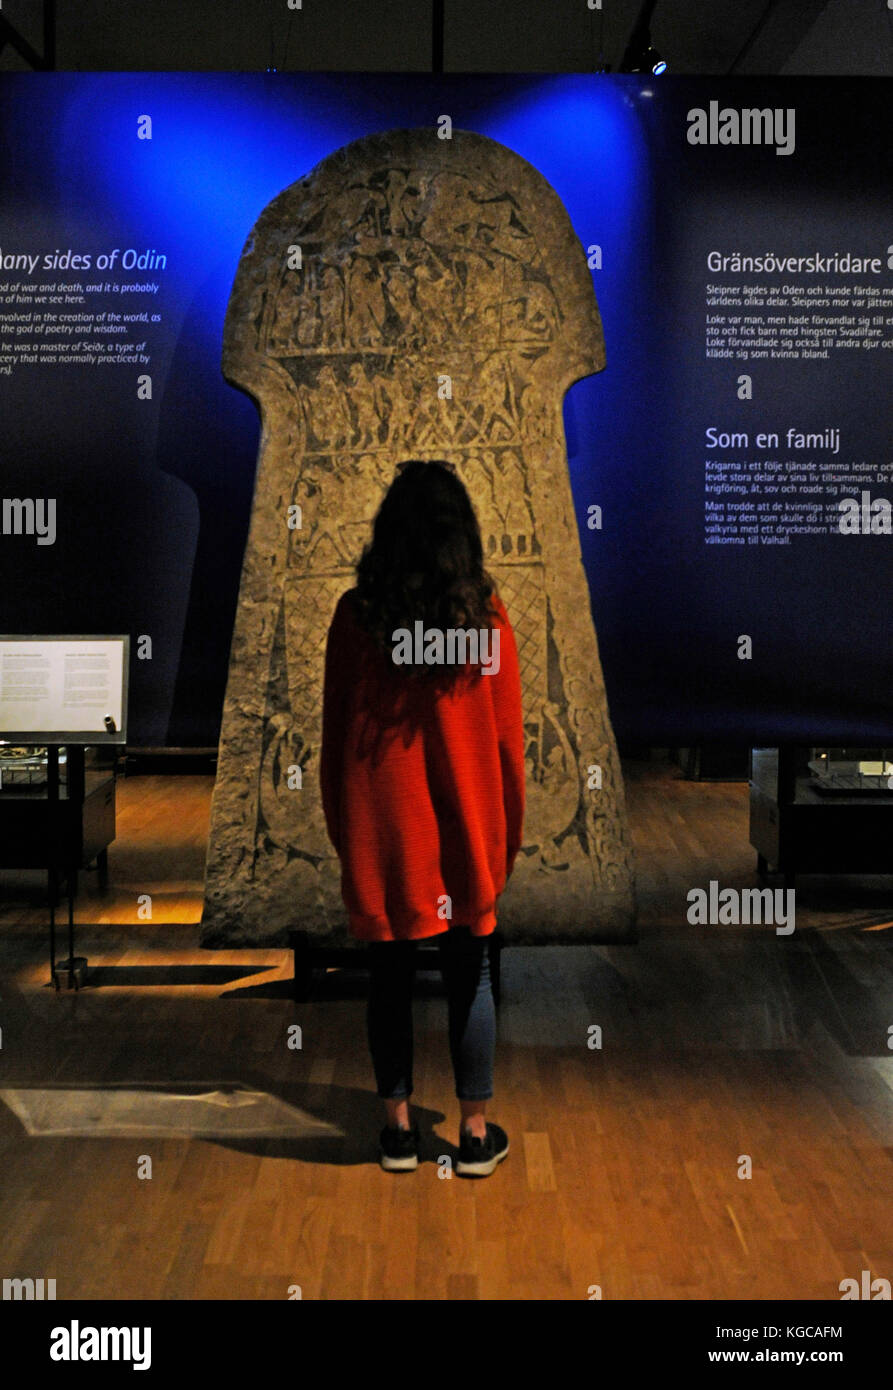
641 55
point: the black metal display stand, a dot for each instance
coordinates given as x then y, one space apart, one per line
74 967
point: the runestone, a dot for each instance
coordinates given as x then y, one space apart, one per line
412 297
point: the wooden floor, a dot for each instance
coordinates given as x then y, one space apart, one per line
718 1042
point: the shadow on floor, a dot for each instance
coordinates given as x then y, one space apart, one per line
360 1116
337 984
306 1122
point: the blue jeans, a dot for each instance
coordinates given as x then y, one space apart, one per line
465 967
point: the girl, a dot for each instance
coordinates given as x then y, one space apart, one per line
422 780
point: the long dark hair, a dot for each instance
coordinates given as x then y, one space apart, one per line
425 560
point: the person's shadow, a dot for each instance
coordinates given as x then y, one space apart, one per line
357 1114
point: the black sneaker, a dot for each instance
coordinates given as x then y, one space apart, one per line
478 1157
399 1149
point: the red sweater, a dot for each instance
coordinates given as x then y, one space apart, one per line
423 790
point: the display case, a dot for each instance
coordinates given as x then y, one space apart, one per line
86 808
822 810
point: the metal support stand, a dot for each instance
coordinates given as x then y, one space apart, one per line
75 966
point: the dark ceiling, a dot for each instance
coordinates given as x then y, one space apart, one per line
822 37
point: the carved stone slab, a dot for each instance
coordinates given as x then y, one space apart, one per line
421 259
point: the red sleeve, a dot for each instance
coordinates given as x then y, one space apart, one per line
335 689
510 727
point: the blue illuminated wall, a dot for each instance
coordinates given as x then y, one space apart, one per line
154 496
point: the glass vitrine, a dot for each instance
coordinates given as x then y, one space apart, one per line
84 825
822 810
